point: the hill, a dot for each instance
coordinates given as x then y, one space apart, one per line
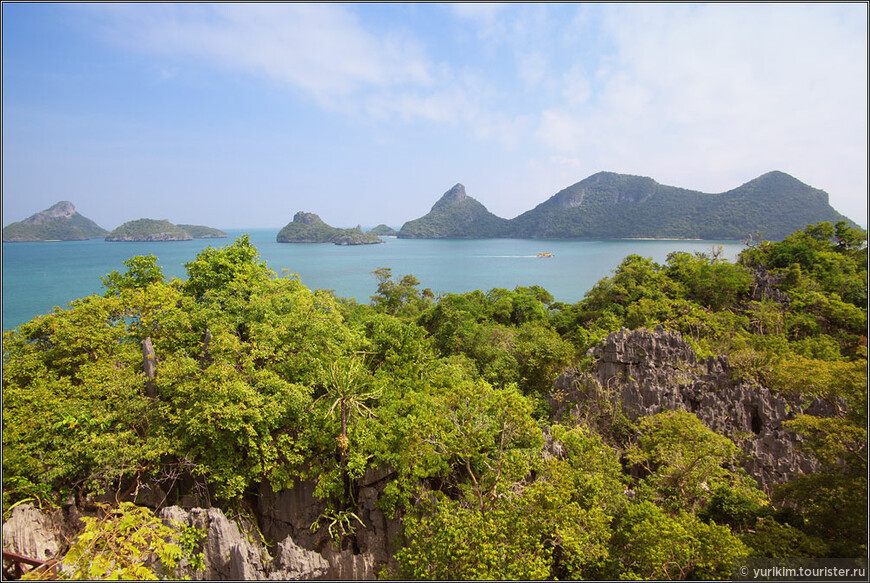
310 228
149 230
607 205
202 232
60 222
455 216
384 231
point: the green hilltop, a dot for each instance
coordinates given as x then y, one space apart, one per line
607 205
149 230
455 216
60 222
203 232
310 228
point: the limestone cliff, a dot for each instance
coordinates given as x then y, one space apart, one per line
646 372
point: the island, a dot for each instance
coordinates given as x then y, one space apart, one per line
383 230
149 230
60 222
203 232
608 205
310 228
456 216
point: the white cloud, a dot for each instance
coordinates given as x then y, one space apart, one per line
710 96
318 48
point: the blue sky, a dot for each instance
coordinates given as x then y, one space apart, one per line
237 116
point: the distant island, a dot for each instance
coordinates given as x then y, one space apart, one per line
383 230
310 228
202 232
605 205
60 222
149 230
619 206
162 230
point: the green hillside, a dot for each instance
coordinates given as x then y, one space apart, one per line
60 222
607 205
202 232
149 230
455 216
384 231
310 228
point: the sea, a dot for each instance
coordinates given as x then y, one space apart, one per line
39 276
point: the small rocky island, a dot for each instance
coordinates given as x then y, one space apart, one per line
149 230
310 228
60 222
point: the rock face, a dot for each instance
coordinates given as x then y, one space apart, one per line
33 533
60 222
234 554
289 514
647 372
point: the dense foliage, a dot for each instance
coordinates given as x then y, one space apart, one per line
256 378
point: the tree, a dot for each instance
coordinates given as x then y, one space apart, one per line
213 269
684 462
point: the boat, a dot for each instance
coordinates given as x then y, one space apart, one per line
545 255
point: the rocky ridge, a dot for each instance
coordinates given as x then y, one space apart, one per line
645 372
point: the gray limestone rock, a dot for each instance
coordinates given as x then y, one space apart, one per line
649 371
33 533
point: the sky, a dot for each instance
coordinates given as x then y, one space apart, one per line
240 115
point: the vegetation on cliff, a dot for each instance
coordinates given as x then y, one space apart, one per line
256 378
60 222
310 228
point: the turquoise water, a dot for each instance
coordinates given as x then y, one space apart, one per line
39 276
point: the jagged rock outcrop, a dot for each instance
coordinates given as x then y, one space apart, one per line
33 533
646 372
290 514
231 553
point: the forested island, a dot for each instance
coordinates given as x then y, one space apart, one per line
162 230
60 222
238 425
310 228
612 206
203 232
